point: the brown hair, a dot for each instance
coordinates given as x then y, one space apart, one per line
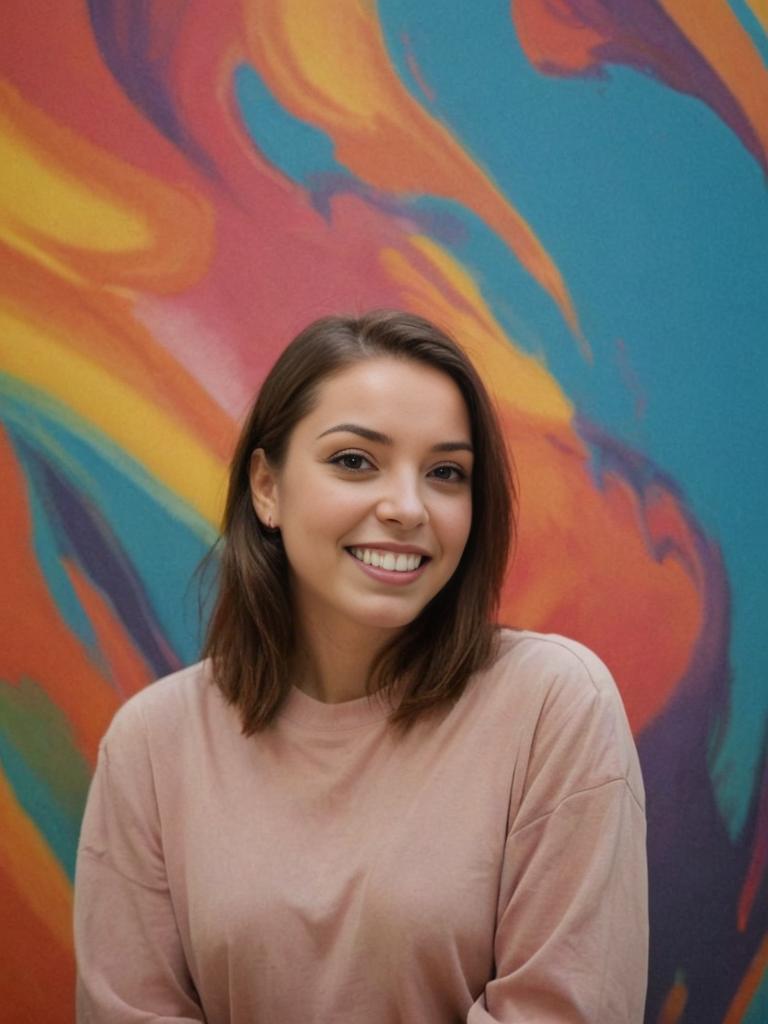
250 637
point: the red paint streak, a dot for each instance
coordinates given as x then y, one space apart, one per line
25 994
759 860
576 581
128 670
750 984
60 663
555 39
673 1006
415 70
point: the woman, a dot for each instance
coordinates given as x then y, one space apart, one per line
368 803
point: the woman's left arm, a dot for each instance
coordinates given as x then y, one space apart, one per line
571 942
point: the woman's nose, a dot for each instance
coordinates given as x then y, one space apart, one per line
403 503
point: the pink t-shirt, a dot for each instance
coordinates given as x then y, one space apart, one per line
490 866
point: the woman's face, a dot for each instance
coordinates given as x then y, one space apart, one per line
374 498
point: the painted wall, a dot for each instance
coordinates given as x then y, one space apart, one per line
578 189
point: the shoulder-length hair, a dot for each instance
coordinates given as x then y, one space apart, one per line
250 638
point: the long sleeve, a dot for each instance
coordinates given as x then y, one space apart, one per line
131 966
571 942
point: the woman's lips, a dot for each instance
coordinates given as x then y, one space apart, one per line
390 576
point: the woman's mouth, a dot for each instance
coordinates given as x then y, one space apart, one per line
389 560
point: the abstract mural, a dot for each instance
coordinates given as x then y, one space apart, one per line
577 188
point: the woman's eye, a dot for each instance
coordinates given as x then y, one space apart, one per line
451 473
351 460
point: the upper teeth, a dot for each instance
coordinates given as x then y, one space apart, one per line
387 559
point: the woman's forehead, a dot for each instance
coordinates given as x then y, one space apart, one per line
395 391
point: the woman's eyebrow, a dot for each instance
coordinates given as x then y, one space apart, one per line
353 428
379 438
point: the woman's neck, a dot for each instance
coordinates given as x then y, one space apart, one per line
332 665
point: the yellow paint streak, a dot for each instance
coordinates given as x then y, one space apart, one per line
716 32
329 66
760 10
306 23
40 256
32 867
451 297
87 215
149 435
51 203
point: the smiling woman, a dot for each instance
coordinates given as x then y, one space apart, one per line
369 802
371 433
388 514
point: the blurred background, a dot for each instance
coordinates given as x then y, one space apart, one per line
577 190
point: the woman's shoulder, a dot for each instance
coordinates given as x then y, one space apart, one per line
545 659
567 699
165 706
542 660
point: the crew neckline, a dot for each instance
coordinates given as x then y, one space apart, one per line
348 714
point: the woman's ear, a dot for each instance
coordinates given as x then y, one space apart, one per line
263 480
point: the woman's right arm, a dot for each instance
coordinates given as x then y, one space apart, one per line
130 962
